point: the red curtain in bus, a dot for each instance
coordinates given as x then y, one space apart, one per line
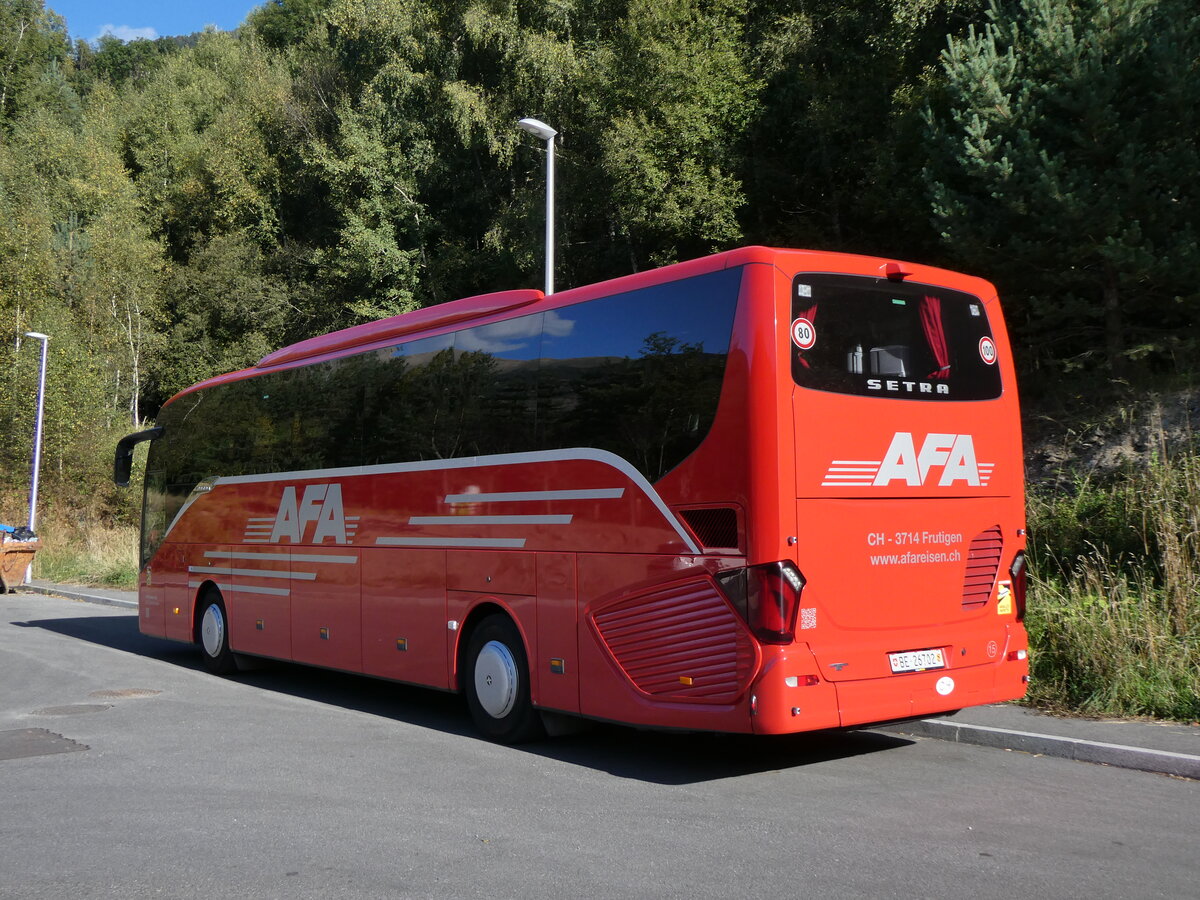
935 336
811 315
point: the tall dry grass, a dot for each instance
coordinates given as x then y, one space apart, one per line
1114 612
87 553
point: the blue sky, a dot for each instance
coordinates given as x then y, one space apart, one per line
128 19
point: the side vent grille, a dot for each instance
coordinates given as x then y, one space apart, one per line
716 527
682 642
983 561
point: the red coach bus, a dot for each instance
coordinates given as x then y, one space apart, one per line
765 491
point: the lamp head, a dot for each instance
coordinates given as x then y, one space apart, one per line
538 128
37 335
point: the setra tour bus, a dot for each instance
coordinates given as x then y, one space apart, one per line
765 491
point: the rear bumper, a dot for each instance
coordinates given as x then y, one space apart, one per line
783 702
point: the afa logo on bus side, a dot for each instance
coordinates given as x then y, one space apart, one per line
320 506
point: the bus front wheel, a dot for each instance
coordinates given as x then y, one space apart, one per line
497 683
213 635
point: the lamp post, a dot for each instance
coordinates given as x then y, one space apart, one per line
37 440
547 134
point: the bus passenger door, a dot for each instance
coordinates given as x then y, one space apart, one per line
556 666
170 576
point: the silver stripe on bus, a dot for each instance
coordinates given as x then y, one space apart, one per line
246 588
591 454
254 573
486 543
851 473
281 557
491 520
533 496
186 506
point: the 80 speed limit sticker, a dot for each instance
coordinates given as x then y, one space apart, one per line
803 334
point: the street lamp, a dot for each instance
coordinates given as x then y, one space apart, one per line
37 440
547 134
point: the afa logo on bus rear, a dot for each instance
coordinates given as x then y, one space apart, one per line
943 460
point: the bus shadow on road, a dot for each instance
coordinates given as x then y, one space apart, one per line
672 758
658 757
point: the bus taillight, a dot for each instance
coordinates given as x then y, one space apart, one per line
1020 577
767 597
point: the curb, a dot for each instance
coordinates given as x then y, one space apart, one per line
1163 762
80 594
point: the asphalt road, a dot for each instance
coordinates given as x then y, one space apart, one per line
126 771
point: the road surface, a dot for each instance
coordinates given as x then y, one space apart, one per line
127 771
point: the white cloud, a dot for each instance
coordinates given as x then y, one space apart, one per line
125 33
557 326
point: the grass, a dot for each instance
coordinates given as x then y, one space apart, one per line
1114 610
89 553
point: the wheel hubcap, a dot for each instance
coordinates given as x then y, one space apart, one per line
496 679
212 630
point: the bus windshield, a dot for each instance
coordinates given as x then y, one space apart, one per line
872 337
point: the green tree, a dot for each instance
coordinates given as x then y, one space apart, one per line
286 23
831 158
672 96
32 38
117 62
200 138
225 312
79 265
1066 163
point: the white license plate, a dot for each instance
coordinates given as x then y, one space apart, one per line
917 660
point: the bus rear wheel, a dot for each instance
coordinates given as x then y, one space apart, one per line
497 683
212 632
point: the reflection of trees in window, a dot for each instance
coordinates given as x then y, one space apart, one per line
424 408
653 410
448 404
154 508
321 413
454 391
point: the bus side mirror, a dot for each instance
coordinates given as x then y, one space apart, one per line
123 461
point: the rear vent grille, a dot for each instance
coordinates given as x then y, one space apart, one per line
681 642
983 560
715 527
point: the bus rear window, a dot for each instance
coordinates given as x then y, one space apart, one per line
868 336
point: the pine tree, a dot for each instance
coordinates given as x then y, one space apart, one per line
1066 165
